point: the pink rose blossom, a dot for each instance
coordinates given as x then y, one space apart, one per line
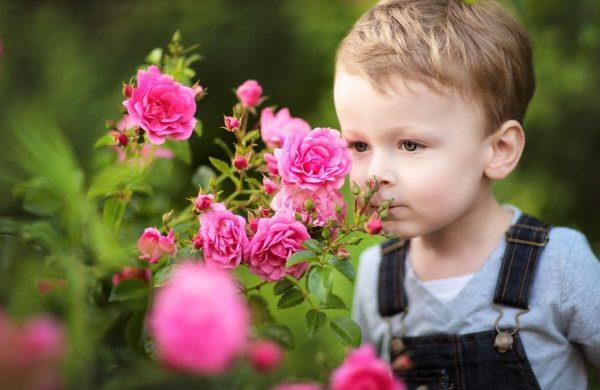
203 202
311 160
162 106
363 370
271 164
265 355
199 321
292 199
276 238
42 339
249 93
274 127
223 237
125 123
144 274
154 245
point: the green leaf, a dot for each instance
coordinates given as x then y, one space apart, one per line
198 129
254 182
313 245
182 150
279 333
161 277
345 267
282 286
314 321
129 289
155 56
346 330
221 166
41 201
290 298
112 212
300 257
319 282
202 176
334 302
259 309
135 330
106 139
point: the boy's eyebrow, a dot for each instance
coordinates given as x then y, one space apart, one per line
397 130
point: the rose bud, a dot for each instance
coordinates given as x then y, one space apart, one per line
240 162
254 224
203 202
269 186
127 90
199 91
373 226
265 355
232 123
343 253
249 93
123 140
197 241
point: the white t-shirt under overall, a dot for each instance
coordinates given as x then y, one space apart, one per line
559 333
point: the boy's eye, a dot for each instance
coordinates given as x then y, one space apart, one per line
359 146
410 146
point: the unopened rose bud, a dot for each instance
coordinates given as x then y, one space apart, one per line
127 90
264 212
232 123
355 189
197 241
269 186
373 226
401 363
343 253
326 233
199 91
309 204
254 224
240 163
123 140
374 184
265 355
203 202
166 218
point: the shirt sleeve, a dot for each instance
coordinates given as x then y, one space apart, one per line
581 299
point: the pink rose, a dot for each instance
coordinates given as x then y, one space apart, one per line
274 127
276 238
198 320
154 245
249 93
297 386
162 106
223 237
314 159
232 123
292 199
144 274
271 164
373 225
265 355
42 339
363 370
125 123
269 186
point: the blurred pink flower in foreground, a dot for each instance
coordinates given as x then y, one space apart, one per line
30 354
362 369
265 355
162 106
275 239
274 127
144 274
315 159
154 245
199 321
249 93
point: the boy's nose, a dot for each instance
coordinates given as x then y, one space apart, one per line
383 170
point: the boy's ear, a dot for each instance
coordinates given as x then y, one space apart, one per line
505 149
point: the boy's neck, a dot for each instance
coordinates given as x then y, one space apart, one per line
461 247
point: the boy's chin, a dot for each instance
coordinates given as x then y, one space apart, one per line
401 229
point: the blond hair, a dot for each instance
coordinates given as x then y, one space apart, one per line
477 48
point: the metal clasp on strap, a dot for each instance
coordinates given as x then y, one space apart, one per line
534 228
504 339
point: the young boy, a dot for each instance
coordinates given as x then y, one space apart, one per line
431 97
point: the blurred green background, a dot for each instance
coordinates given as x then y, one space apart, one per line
63 63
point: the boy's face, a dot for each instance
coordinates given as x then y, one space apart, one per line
426 149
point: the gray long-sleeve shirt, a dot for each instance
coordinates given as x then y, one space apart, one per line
559 334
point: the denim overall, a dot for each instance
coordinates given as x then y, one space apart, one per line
493 359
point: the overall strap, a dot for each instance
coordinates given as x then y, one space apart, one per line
391 295
525 241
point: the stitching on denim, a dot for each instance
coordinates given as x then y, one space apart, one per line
505 275
525 276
